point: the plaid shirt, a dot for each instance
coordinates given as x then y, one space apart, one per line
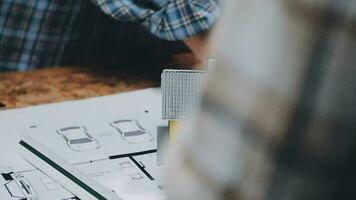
51 33
170 20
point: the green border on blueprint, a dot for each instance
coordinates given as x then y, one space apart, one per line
63 171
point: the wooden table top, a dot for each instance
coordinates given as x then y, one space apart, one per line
20 89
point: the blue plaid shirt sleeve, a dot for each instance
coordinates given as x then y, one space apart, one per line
167 19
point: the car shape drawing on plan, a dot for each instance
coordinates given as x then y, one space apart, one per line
19 187
78 138
131 131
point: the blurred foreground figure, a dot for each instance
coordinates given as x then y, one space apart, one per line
278 116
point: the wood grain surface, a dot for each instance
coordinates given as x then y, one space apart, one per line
19 89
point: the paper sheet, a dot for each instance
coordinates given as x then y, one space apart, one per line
102 137
125 178
30 185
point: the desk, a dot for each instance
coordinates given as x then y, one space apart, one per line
19 89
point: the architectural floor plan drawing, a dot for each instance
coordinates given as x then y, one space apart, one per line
111 139
127 167
131 131
30 185
15 122
149 163
100 138
77 138
126 177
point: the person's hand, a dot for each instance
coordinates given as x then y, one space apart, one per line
198 44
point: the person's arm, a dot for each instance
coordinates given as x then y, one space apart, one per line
198 44
167 19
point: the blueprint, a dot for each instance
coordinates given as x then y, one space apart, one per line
127 179
30 185
112 139
99 139
119 153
